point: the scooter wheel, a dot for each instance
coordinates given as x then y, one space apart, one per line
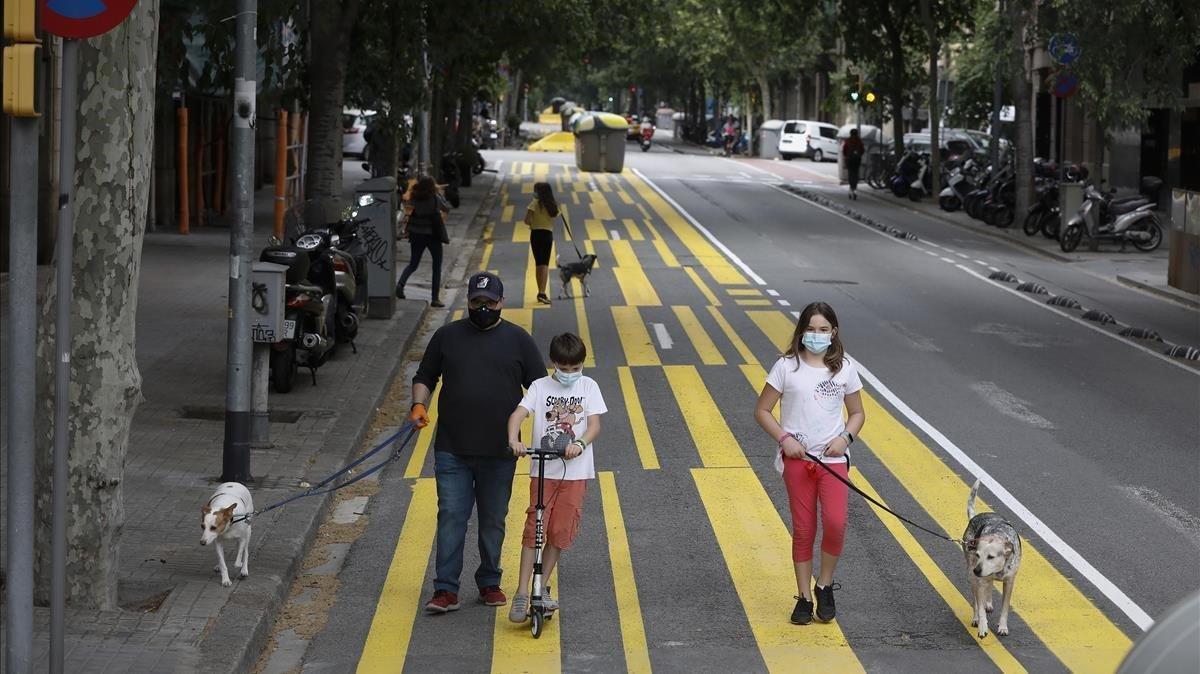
1033 223
914 195
1153 242
536 623
948 204
1003 218
1070 238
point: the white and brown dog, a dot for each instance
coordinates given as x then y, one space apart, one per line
230 501
993 551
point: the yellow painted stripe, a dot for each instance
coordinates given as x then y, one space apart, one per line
700 284
757 548
507 214
732 336
526 168
513 648
711 435
642 209
622 252
487 255
595 229
635 339
744 292
421 449
391 630
633 631
776 326
580 184
600 208
526 188
458 314
664 251
585 333
753 303
624 197
637 420
521 232
722 271
521 317
575 198
1070 625
708 351
541 171
635 232
636 288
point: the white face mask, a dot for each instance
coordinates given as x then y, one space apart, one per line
817 342
567 378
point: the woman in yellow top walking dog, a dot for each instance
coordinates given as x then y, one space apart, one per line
540 218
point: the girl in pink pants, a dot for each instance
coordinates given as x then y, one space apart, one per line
812 382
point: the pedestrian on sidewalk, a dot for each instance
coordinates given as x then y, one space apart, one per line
483 363
813 380
540 218
425 228
852 150
566 409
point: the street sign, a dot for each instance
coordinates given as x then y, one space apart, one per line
1066 84
83 18
1064 48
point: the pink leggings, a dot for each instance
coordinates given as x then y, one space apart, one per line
807 483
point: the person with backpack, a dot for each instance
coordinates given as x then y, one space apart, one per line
425 227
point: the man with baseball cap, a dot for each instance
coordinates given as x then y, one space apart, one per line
483 364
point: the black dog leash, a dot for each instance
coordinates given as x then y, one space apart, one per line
409 427
867 496
563 213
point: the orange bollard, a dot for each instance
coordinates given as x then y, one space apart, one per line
181 160
281 169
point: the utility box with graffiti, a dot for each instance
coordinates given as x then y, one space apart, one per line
375 200
266 302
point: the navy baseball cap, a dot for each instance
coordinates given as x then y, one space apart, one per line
485 284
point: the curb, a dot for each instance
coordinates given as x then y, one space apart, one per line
1165 294
253 611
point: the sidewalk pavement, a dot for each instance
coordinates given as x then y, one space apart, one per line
174 614
668 140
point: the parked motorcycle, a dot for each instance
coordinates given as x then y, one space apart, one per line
1104 217
647 137
959 183
1043 215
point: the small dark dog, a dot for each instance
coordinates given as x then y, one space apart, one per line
993 552
580 269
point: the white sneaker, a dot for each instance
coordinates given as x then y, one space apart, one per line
519 611
548 602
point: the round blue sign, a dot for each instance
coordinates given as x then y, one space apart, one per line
1064 48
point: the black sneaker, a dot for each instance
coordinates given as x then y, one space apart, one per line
803 613
400 292
826 610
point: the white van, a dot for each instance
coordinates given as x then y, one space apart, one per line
802 138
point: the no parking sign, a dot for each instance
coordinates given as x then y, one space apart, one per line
83 18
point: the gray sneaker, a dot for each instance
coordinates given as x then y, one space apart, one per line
550 603
519 611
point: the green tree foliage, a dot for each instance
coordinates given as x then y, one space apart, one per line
886 40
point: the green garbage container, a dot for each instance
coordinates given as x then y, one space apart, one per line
600 142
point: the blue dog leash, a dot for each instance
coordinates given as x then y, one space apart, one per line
316 489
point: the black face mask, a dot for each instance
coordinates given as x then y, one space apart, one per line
483 317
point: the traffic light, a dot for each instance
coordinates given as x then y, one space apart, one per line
21 59
870 97
19 17
853 96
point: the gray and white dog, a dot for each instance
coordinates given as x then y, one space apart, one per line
993 551
575 270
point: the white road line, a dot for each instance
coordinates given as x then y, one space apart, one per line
592 185
993 269
931 252
703 230
497 165
946 259
664 339
965 257
773 293
1111 591
796 315
784 303
981 263
614 234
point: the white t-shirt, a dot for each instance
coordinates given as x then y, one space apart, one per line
811 402
559 416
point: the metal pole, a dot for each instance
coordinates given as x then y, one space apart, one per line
21 373
235 464
62 364
997 94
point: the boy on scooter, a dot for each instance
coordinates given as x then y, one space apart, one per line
566 409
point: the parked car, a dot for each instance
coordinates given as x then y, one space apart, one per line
802 138
354 126
954 143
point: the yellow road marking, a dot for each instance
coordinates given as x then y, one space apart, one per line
744 292
585 333
746 353
757 548
637 420
540 172
1070 625
421 448
521 317
526 188
700 284
526 168
753 303
507 214
387 641
623 255
513 648
600 208
633 632
708 351
722 271
777 327
711 435
624 197
635 340
575 198
635 232
531 290
458 314
487 255
635 285
595 229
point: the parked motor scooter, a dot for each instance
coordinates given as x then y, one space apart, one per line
958 185
1103 217
647 137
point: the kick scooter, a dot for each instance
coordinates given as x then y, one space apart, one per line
537 607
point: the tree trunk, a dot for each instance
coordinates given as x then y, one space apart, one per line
764 85
329 28
897 93
935 147
114 149
1023 159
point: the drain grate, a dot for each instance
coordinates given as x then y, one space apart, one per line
214 413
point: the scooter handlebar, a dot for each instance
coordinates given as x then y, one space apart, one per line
534 451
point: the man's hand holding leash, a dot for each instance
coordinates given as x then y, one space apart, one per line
418 415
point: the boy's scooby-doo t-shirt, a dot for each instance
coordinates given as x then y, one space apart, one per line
560 416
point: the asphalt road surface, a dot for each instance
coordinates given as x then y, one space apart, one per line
1085 440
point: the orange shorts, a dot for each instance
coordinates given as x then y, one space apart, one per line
564 508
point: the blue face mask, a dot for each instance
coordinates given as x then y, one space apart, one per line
817 342
567 378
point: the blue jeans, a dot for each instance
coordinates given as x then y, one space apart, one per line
464 482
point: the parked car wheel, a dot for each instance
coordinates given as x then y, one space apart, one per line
818 156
